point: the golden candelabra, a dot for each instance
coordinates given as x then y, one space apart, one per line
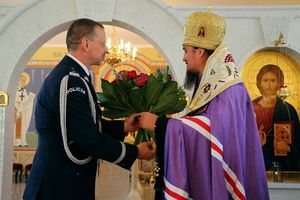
119 51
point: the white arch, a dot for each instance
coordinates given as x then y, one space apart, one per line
28 27
293 52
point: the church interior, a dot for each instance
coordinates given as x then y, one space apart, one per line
145 36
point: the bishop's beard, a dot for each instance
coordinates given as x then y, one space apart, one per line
191 78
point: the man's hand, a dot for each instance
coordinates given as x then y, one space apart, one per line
131 123
147 121
147 150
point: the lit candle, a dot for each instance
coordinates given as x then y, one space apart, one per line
134 53
108 43
129 47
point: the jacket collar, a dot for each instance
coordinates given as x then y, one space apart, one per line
80 63
75 67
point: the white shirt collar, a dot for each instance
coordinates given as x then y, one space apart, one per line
80 63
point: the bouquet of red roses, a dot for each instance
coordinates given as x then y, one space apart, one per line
132 93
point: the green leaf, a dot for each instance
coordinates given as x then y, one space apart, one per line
116 92
142 136
153 89
124 98
158 74
126 85
165 75
101 97
170 87
112 104
181 92
170 100
109 90
136 97
117 100
181 104
164 104
139 137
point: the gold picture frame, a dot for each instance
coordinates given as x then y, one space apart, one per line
3 99
283 132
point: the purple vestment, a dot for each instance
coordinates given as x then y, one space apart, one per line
216 155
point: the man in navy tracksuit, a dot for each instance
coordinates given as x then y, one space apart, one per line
72 134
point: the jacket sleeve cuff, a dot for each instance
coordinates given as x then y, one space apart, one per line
128 156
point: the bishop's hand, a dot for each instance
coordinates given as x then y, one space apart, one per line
147 121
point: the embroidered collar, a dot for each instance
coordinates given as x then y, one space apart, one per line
219 74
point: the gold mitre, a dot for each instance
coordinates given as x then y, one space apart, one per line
205 30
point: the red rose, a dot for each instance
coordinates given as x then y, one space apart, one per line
141 79
131 74
115 80
122 74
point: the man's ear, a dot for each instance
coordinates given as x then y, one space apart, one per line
84 43
200 52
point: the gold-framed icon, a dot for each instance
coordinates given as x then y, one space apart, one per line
3 99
